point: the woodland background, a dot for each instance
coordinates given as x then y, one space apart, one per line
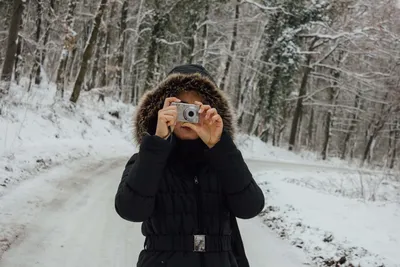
319 75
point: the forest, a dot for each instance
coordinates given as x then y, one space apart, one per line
317 75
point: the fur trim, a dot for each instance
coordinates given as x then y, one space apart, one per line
145 120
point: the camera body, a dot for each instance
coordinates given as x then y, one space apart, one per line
187 112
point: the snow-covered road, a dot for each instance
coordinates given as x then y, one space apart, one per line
66 218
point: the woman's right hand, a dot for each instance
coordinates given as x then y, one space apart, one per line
167 118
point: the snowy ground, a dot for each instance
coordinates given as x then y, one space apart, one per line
37 133
70 220
59 166
254 148
333 215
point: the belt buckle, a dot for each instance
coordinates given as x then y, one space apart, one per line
199 242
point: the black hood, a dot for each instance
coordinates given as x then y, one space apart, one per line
182 78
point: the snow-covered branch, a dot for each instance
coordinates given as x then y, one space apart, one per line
163 41
260 6
328 36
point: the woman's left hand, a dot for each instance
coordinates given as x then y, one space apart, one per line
209 129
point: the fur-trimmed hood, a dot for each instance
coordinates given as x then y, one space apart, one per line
182 78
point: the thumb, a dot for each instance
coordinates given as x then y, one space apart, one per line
191 126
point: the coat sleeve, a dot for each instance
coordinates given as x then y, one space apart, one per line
245 198
135 198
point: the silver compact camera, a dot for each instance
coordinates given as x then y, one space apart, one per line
187 112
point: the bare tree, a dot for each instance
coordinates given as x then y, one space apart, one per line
69 43
35 72
121 47
87 54
232 46
8 65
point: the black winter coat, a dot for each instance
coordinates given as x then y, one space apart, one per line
158 191
158 188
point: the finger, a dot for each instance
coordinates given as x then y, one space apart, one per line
204 108
210 113
169 100
167 118
216 118
171 122
168 112
170 108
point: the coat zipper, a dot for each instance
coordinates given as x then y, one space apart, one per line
198 201
199 221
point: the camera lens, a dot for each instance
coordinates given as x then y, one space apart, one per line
190 113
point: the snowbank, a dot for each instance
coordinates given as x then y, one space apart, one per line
38 132
336 216
253 148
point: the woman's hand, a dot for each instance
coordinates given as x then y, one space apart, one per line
209 129
167 118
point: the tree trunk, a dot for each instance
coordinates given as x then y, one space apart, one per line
121 48
192 44
299 105
106 49
300 131
271 108
69 44
205 33
36 65
47 33
396 136
394 154
87 54
9 60
95 68
310 130
151 59
253 119
262 95
367 150
18 59
374 128
238 94
333 95
137 49
152 52
134 93
5 19
351 128
232 48
327 134
72 62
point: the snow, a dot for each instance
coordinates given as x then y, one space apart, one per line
81 196
61 163
306 207
65 217
38 132
309 200
260 6
253 148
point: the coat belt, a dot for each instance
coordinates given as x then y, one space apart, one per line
189 243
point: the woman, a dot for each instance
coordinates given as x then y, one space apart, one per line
189 182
